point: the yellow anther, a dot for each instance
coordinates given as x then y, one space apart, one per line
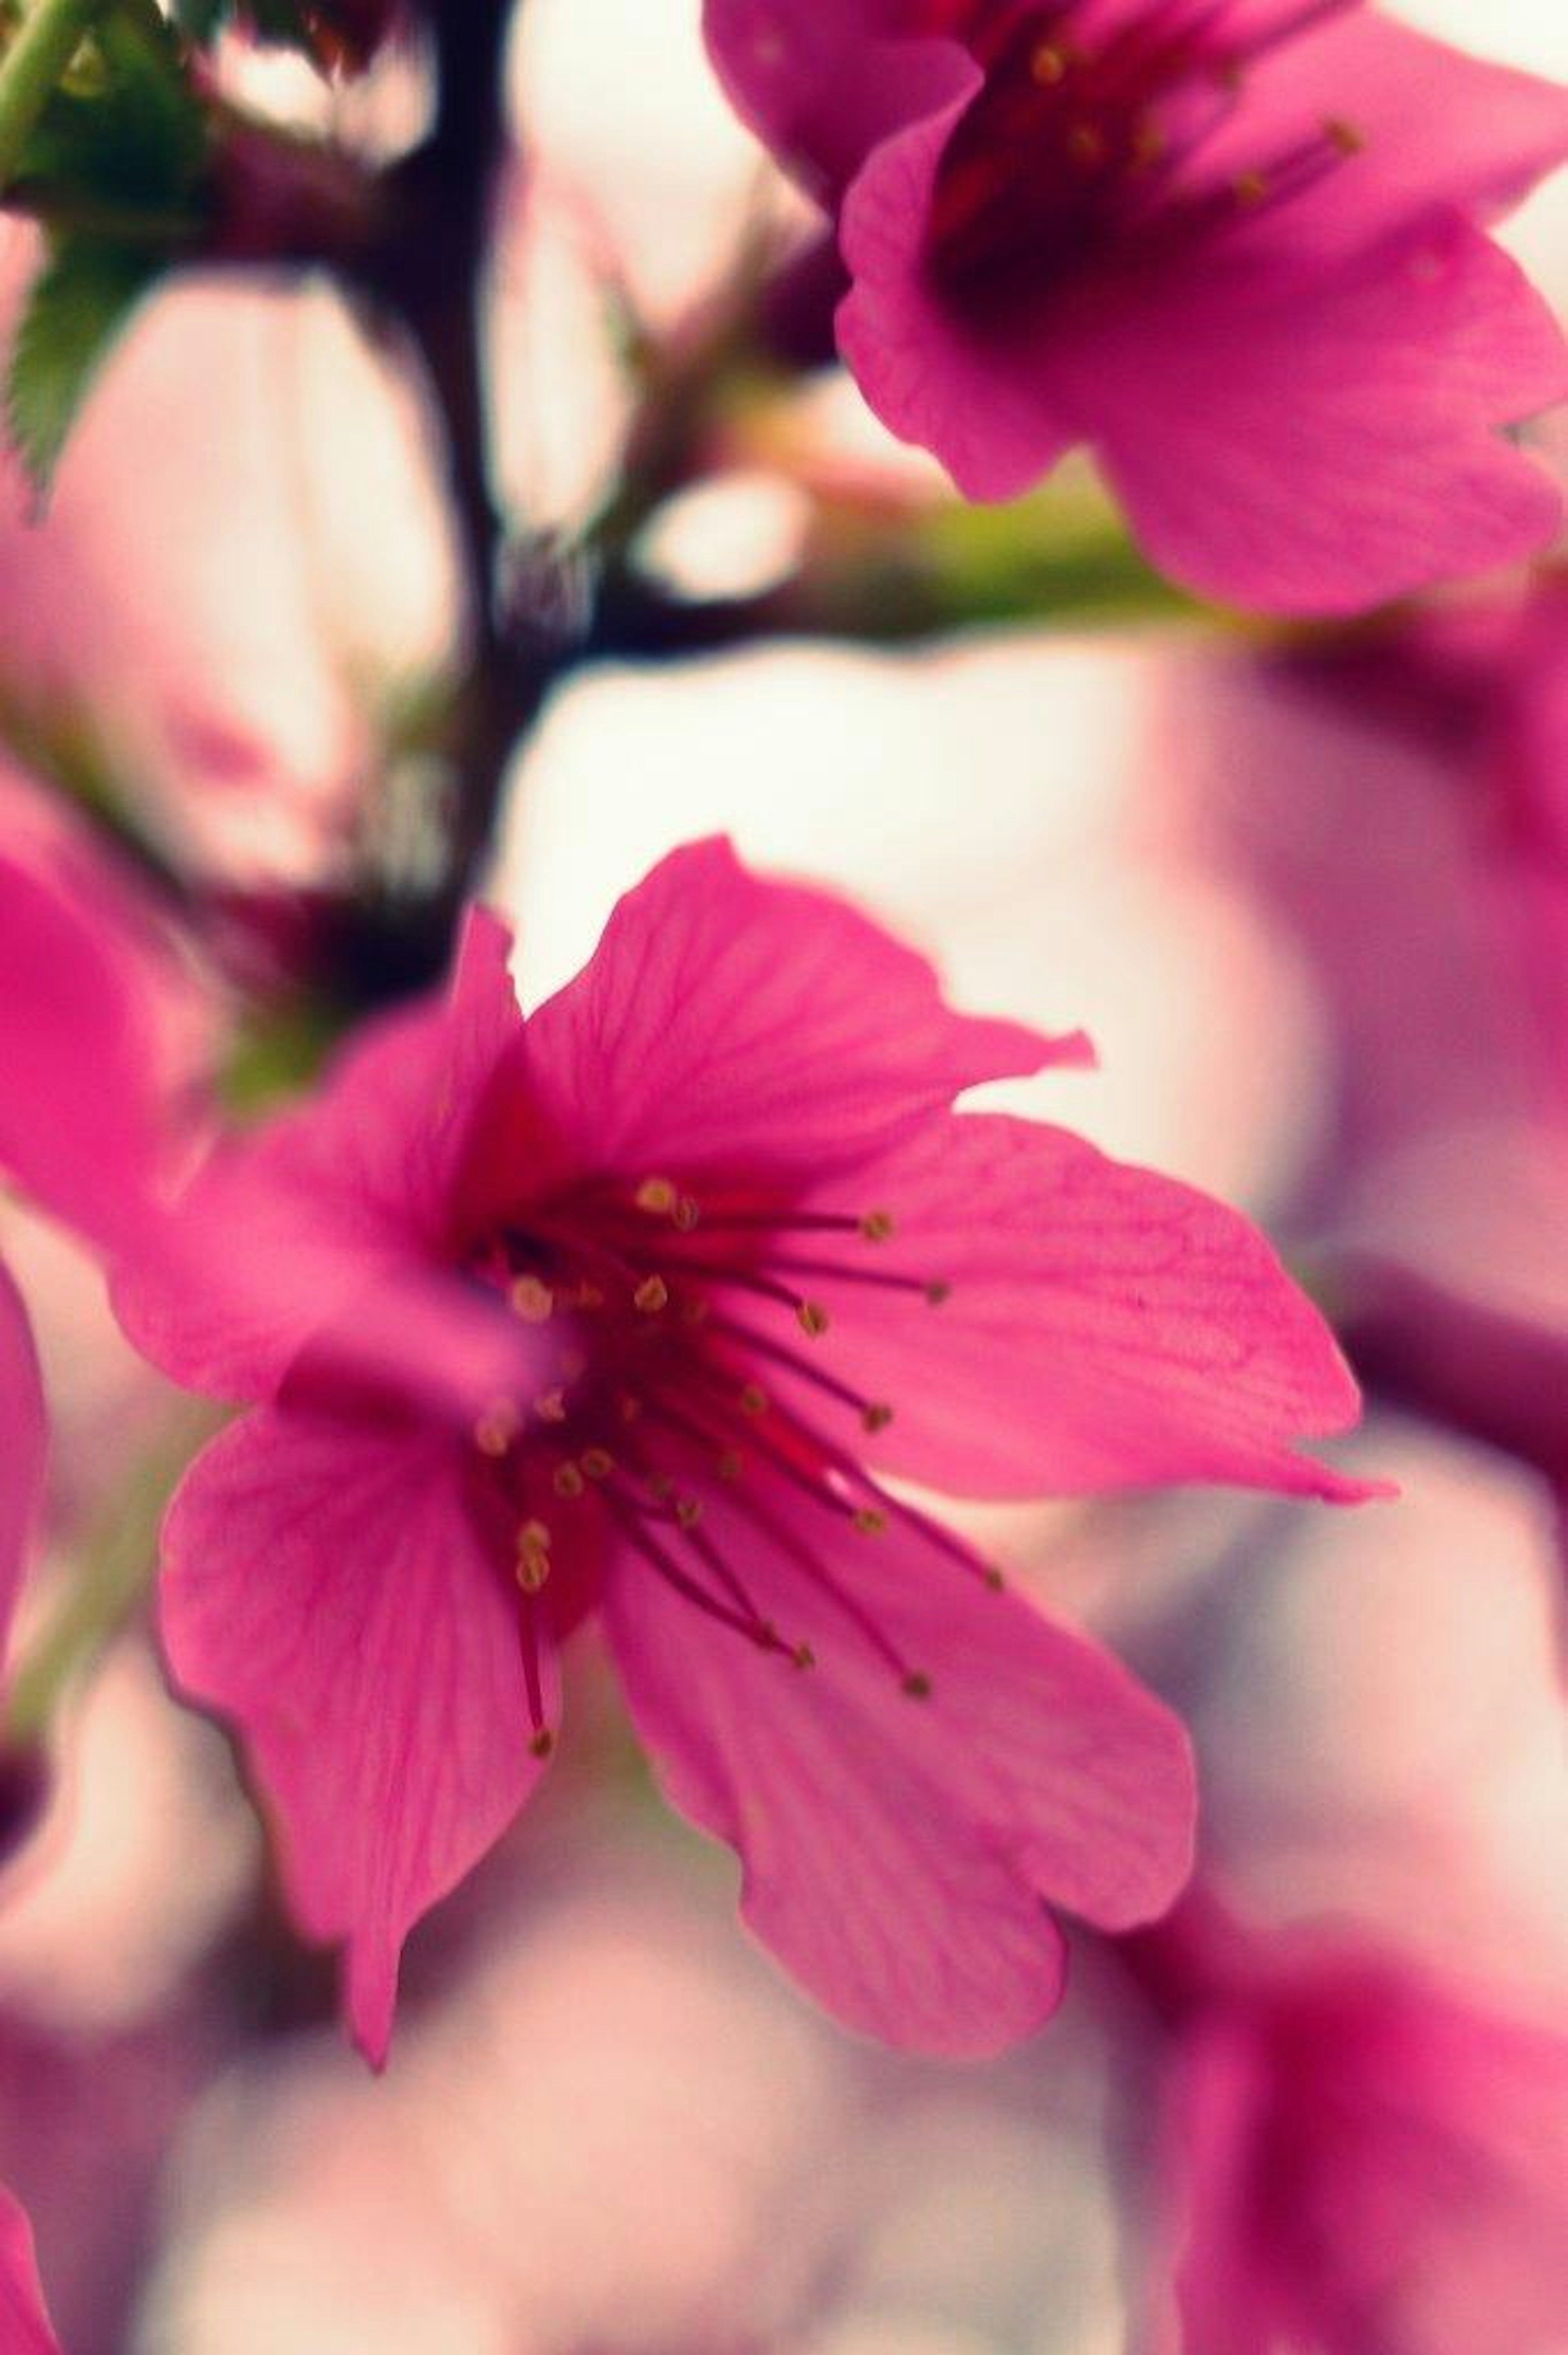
587 1296
994 1579
533 1565
567 1480
802 1657
532 1299
812 1319
544 1742
917 1685
1086 145
657 1197
1047 65
662 1487
597 1462
687 1213
753 1399
1343 136
936 1293
870 1522
731 1465
651 1295
550 1406
1250 189
497 1427
876 1417
688 1512
877 1226
694 1309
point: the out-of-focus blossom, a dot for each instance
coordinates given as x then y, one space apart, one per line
209 626
23 2325
727 1140
1236 249
1362 2157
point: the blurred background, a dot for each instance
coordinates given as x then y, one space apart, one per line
1308 893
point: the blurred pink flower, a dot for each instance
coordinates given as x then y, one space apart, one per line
23 2326
728 1136
1233 245
1365 2161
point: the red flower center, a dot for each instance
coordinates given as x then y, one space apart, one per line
1082 139
677 1323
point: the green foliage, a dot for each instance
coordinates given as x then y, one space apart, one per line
114 167
75 310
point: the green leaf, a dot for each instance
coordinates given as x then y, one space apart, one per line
75 310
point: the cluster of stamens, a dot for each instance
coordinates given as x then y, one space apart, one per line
1075 141
669 1321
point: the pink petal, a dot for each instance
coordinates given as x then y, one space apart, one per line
70 1005
345 1209
325 1589
897 1850
758 1025
823 85
1436 126
990 419
1105 1327
1317 442
23 1448
23 2326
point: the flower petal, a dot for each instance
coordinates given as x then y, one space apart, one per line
821 86
23 1448
1316 441
897 1850
1105 1327
758 1026
23 2326
326 1590
344 1209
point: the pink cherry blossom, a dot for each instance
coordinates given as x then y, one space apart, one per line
717 1187
1235 246
1367 2161
23 2325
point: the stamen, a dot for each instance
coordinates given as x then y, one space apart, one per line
533 1556
497 1427
1047 65
657 1196
811 1319
916 1685
532 1299
550 1406
597 1462
873 1415
651 1295
567 1480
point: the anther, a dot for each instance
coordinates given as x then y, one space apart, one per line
588 1295
802 1657
550 1406
651 1295
1343 136
753 1400
731 1465
1086 145
544 1742
629 1407
497 1428
936 1293
532 1299
657 1197
875 1417
812 1319
567 1480
687 1213
597 1462
1250 189
993 1578
917 1685
1047 65
532 1567
869 1521
688 1512
877 1226
694 1309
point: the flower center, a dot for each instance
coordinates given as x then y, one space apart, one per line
691 1357
1081 138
